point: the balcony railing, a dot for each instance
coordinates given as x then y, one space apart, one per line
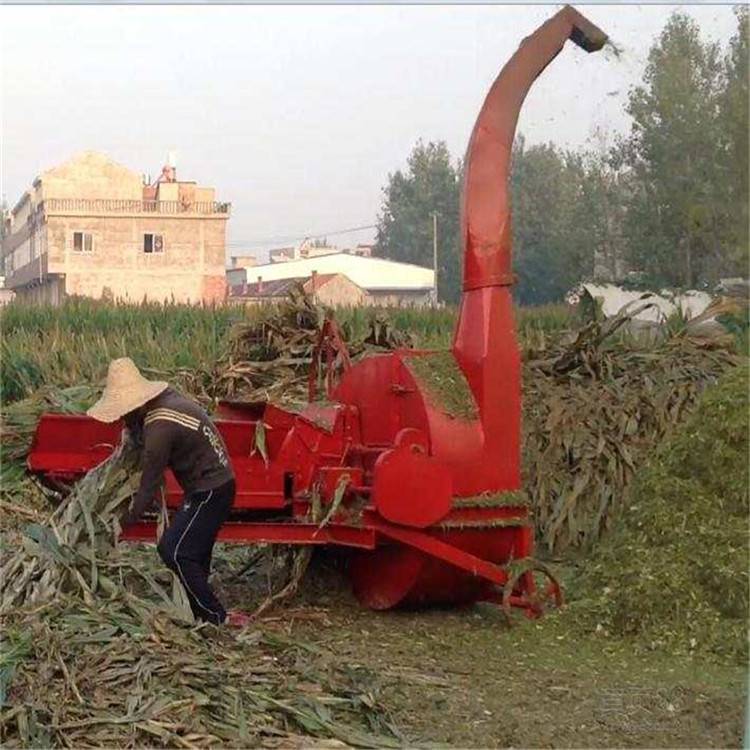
117 206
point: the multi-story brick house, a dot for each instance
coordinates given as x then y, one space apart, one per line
92 227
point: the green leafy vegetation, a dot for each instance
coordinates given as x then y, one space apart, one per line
674 575
446 386
73 344
594 401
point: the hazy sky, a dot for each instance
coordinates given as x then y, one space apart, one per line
296 114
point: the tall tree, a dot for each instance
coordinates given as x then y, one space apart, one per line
676 214
430 184
552 232
734 106
4 213
599 217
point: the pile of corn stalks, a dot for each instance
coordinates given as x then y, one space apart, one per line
21 499
82 676
99 648
269 359
595 406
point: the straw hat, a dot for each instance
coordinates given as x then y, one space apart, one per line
126 389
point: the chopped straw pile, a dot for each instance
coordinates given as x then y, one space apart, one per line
675 571
269 359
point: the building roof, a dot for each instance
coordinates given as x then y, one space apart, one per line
368 273
279 287
19 203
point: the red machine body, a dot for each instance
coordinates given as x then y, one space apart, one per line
423 498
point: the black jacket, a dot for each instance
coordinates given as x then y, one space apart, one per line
177 434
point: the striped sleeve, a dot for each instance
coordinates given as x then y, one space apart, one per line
171 415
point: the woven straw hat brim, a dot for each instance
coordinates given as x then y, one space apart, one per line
113 406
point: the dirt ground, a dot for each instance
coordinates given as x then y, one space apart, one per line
463 678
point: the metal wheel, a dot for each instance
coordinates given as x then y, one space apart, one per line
524 591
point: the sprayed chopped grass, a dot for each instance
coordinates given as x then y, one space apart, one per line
514 499
444 382
674 575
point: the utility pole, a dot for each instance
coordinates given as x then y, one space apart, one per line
434 259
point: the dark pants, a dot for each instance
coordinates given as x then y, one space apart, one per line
188 542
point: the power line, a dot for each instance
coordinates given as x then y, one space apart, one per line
272 240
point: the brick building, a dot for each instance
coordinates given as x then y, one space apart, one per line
92 227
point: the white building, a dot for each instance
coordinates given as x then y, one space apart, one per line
386 282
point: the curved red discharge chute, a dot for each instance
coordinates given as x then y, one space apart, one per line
485 343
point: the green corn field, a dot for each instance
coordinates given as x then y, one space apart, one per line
73 343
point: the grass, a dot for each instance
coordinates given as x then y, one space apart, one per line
74 343
674 575
446 385
543 683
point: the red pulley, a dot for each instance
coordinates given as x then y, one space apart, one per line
409 487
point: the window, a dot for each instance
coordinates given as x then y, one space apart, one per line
153 243
83 242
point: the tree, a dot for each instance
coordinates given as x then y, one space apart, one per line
430 184
676 214
600 216
669 200
734 108
553 235
4 214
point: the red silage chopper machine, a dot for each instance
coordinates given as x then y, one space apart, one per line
422 493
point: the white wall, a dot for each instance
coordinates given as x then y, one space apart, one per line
368 273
